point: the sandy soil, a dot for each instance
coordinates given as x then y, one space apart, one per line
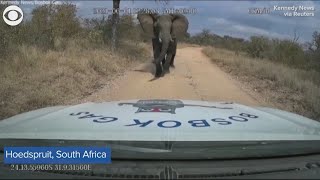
195 77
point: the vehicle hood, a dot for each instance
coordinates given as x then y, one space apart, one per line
160 120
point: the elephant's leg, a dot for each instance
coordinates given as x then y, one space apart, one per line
172 61
159 71
156 45
174 50
164 59
170 56
171 53
167 64
156 53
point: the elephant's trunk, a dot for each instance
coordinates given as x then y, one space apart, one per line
164 48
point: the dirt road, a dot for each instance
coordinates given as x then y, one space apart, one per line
194 78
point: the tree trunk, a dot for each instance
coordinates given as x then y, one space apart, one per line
115 21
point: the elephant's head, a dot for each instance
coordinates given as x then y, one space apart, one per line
165 28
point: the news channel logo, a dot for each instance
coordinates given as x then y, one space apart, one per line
12 15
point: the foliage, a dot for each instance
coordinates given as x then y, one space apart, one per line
46 29
208 38
283 51
55 57
258 46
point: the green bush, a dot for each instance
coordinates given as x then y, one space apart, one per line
314 51
50 23
51 27
285 51
258 46
98 28
208 38
288 52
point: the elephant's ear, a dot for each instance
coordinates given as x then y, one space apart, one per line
180 26
146 22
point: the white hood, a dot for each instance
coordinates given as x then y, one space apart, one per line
160 120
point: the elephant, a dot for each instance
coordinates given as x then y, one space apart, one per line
164 30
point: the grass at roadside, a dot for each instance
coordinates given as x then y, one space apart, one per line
32 79
184 44
294 90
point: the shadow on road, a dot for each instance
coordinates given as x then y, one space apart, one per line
147 68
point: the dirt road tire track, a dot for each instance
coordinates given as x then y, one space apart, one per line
194 78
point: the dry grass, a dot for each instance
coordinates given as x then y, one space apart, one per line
183 45
293 90
33 79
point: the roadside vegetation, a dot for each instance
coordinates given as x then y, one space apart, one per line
56 57
282 70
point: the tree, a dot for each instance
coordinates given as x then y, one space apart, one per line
296 36
257 46
314 50
51 23
316 40
115 21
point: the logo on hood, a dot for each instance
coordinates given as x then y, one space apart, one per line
163 106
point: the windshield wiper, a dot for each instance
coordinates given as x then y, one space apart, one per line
139 149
